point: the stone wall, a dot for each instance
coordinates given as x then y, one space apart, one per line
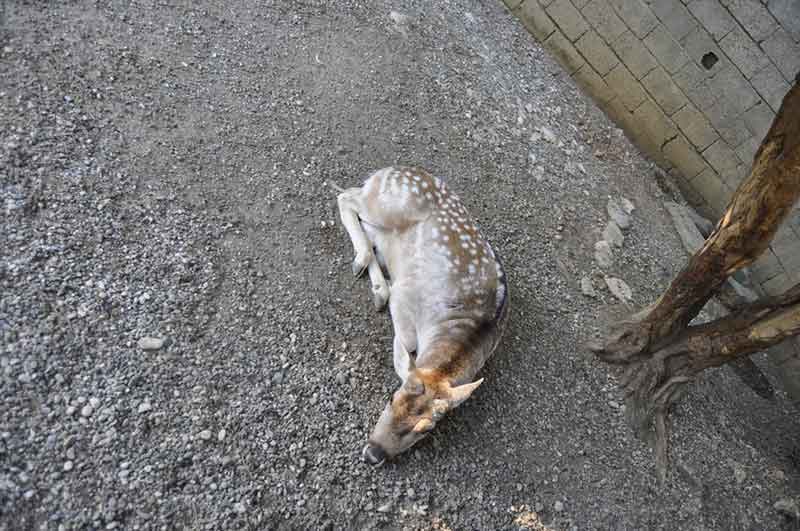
694 83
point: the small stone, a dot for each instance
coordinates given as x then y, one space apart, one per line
602 254
70 410
150 343
613 235
548 134
613 404
587 288
87 410
94 402
68 465
538 507
618 214
398 18
385 508
7 49
788 507
739 474
239 508
221 435
627 206
29 494
341 378
205 435
558 507
144 407
619 288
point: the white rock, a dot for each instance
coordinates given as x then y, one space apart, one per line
602 254
558 506
627 206
612 234
239 508
94 402
619 215
619 288
385 508
150 343
144 407
205 435
68 465
587 288
87 410
221 435
398 18
548 134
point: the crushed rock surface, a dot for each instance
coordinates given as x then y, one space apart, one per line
184 347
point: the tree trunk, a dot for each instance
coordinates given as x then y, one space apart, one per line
653 384
661 351
752 218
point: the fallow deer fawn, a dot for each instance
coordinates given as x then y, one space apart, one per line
448 296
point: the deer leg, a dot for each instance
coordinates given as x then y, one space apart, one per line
348 211
349 206
405 337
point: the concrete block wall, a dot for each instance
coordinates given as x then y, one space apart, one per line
694 83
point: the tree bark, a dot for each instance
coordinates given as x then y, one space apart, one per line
653 384
661 351
752 218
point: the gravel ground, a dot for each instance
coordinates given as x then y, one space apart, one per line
183 345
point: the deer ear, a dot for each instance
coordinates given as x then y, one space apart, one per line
423 425
457 395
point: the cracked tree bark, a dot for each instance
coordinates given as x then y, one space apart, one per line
661 351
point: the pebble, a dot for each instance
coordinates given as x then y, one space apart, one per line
587 288
627 206
205 435
68 465
618 214
150 343
221 435
739 474
239 508
613 235
385 508
558 506
619 288
29 494
788 507
144 407
341 378
602 254
548 134
398 18
87 410
70 410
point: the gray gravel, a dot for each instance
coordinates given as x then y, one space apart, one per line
183 345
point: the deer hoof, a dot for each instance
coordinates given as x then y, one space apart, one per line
380 296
